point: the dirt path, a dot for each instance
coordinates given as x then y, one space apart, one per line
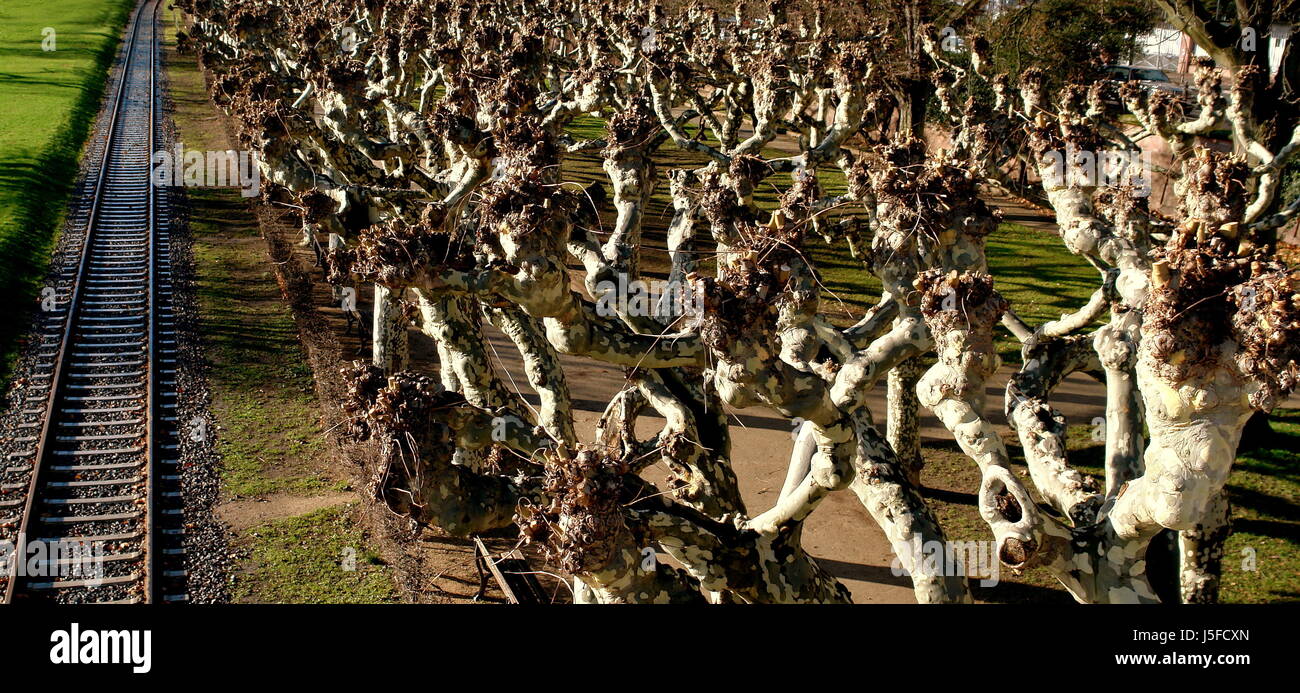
840 533
244 513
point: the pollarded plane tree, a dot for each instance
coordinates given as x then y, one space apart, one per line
1171 287
428 142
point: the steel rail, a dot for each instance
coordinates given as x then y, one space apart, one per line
93 505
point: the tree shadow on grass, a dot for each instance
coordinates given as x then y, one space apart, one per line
43 183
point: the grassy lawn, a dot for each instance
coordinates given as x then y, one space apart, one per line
270 438
1261 562
1032 269
1265 493
269 419
50 101
1040 278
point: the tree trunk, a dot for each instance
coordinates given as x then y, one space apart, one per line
903 425
1200 554
391 350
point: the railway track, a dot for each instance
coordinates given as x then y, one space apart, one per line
95 469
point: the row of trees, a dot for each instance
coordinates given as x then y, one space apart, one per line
425 144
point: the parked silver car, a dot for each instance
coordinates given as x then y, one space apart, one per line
1148 78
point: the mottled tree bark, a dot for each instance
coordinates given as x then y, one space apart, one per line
390 347
903 428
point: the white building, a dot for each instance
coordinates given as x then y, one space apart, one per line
1171 50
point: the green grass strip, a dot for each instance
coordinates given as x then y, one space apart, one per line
51 99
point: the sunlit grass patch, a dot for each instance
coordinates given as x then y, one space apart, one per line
320 557
1261 561
51 98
